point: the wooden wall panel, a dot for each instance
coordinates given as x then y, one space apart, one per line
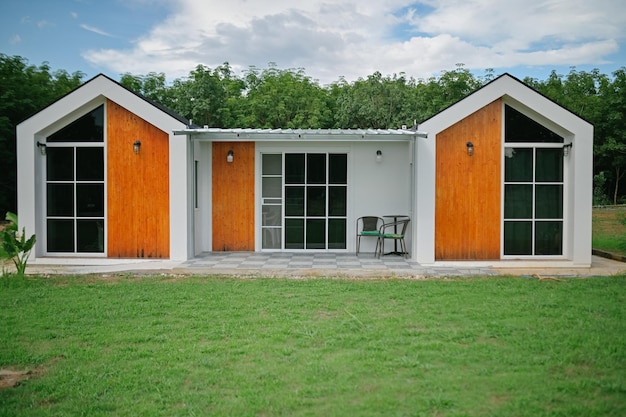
233 197
467 201
137 187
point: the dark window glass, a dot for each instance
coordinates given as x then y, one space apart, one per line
60 164
549 201
271 215
316 168
88 128
294 233
337 201
338 168
517 238
549 165
272 164
549 238
294 201
60 201
271 187
60 235
520 128
90 236
89 164
316 234
90 200
518 167
294 168
518 201
336 233
316 201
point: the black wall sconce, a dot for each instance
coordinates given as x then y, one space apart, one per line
230 156
379 155
567 148
137 146
470 148
42 148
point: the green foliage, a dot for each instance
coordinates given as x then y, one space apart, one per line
288 98
15 246
164 346
599 186
24 90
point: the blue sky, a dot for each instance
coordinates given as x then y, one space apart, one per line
329 39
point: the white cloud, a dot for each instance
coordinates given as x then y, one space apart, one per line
43 24
15 39
354 38
95 30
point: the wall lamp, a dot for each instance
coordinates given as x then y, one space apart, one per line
229 157
470 148
42 148
567 148
379 155
137 146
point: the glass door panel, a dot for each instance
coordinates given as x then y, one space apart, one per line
272 201
315 210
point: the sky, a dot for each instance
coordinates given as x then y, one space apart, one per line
329 39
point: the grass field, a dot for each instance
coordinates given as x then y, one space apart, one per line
200 346
609 229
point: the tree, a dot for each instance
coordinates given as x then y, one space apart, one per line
24 90
278 98
208 97
610 147
152 86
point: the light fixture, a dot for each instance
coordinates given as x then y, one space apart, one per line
566 148
470 148
379 155
137 146
42 148
229 157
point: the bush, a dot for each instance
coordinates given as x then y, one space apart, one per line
15 246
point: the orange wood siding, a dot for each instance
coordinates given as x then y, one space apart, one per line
467 201
138 187
233 197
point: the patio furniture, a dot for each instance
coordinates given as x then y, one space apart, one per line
395 230
368 226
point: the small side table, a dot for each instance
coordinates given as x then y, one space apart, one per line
395 218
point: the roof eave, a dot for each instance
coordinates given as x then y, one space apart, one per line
215 134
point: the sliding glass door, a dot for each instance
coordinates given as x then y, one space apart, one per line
309 208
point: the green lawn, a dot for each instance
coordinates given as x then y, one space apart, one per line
200 346
609 229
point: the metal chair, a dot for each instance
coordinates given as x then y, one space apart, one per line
368 226
396 231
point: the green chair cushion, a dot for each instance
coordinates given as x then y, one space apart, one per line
370 233
393 236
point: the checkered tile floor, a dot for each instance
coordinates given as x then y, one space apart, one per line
339 262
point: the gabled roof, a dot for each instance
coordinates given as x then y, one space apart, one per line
104 86
516 92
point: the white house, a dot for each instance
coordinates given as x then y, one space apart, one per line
503 175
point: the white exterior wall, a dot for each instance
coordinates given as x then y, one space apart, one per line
374 188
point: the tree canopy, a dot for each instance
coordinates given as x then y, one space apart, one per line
288 98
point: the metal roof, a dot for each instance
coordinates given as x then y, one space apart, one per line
295 134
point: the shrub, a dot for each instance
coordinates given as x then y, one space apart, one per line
15 246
